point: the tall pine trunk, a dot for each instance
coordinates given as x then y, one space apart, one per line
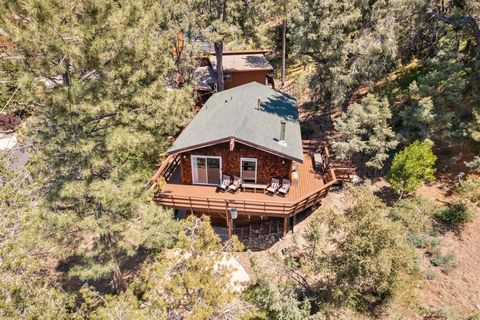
221 9
284 49
219 56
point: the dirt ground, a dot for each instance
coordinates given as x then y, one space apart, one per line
458 291
440 295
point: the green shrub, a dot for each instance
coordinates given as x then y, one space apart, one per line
416 215
470 189
455 213
431 275
411 167
446 263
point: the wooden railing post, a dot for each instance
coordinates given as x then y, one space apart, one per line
318 196
306 203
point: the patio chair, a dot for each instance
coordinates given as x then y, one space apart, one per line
284 188
235 186
225 182
318 162
273 186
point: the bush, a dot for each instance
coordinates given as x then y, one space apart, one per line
470 188
455 213
411 167
431 275
416 215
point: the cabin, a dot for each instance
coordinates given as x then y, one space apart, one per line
250 133
243 67
239 68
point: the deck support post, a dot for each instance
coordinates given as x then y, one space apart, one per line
229 221
285 226
294 222
229 224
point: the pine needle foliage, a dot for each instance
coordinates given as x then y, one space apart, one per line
26 290
97 73
190 281
364 129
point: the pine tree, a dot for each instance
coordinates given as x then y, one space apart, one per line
351 43
26 290
445 83
416 116
97 75
216 16
372 253
411 167
188 282
364 129
355 260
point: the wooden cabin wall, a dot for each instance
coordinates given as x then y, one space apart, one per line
268 165
243 77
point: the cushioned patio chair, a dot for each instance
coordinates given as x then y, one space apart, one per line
273 186
226 181
284 188
236 185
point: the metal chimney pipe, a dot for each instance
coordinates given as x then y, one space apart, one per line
282 132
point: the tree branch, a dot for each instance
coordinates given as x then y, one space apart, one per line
465 21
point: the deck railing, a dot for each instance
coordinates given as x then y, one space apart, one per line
280 209
166 169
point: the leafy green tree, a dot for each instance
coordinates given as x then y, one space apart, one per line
411 167
364 129
97 73
190 281
357 259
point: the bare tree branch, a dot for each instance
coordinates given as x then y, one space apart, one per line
464 21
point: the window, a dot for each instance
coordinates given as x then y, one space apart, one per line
227 77
248 167
206 170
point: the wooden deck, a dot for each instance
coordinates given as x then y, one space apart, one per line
311 187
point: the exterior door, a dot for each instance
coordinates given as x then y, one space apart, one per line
248 167
206 170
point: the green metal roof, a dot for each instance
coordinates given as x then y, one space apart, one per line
234 113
